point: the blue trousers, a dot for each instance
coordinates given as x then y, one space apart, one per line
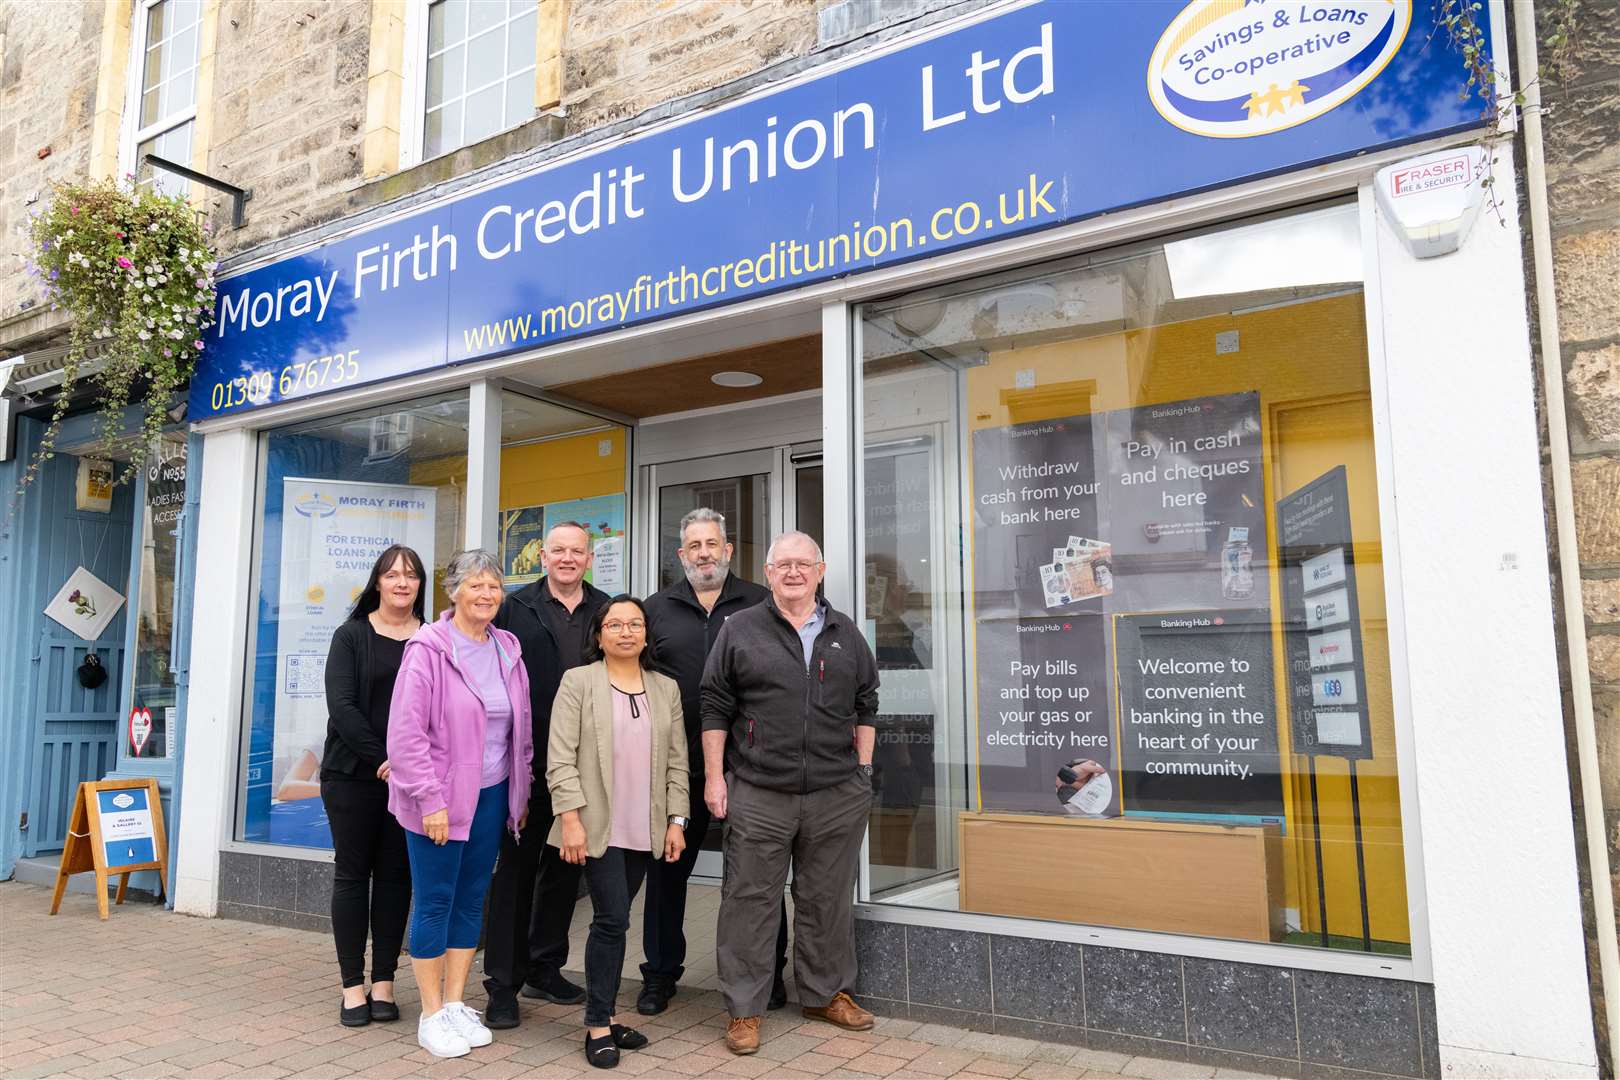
450 881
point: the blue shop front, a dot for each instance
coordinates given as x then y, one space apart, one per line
97 578
1113 353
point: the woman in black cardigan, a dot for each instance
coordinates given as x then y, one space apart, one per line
371 886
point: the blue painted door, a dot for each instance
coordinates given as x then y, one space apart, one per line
75 729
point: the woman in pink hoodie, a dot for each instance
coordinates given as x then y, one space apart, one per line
460 752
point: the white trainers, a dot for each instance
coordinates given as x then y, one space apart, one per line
439 1035
466 1023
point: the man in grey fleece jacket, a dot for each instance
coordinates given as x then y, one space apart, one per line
789 694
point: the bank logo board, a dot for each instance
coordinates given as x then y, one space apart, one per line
1029 118
1233 69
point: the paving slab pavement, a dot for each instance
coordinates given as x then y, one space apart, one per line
153 994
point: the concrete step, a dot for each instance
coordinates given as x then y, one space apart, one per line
41 870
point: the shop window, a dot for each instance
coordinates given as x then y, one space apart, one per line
333 493
559 464
1124 580
154 697
478 71
164 110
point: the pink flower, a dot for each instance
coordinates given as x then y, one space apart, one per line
196 344
125 263
75 210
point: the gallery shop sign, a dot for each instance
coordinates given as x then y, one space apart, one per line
1031 118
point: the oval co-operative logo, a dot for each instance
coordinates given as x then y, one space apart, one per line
1230 69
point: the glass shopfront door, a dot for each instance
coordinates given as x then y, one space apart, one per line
761 493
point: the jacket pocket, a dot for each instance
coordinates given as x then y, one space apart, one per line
462 779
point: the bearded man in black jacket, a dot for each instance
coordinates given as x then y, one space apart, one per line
683 622
526 938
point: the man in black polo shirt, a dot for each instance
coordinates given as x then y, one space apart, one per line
684 620
526 940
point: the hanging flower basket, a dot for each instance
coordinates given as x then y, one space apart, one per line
135 269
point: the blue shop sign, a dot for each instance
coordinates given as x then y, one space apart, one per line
1035 117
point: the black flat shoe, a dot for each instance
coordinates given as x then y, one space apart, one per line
600 1051
359 1016
384 1011
626 1038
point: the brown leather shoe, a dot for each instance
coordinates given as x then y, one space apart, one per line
742 1035
843 1012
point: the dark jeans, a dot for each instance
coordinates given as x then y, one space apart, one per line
371 880
614 879
663 922
526 936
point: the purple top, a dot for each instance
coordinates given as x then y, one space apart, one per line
631 805
436 733
481 663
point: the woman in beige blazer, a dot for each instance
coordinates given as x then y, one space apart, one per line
616 767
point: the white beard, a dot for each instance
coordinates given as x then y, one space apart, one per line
706 577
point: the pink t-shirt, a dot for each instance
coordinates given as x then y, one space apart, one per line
632 772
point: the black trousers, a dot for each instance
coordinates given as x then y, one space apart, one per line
531 904
614 879
371 880
663 921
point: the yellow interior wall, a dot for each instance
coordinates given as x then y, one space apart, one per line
560 469
1308 361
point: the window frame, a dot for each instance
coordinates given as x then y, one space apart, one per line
235 819
133 133
842 345
413 97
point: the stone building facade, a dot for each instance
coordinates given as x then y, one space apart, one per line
1581 90
304 104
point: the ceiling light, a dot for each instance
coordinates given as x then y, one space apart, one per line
735 379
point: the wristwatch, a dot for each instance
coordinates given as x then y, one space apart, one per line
866 770
676 819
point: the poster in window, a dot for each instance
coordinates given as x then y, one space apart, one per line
1078 520
603 518
332 533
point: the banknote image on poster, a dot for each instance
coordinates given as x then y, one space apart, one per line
1042 710
1198 716
1185 508
1034 496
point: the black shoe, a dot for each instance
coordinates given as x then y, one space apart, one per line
359 1016
626 1038
554 988
654 998
778 995
384 1011
502 1011
600 1051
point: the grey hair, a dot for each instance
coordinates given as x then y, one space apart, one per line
469 564
702 514
794 534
